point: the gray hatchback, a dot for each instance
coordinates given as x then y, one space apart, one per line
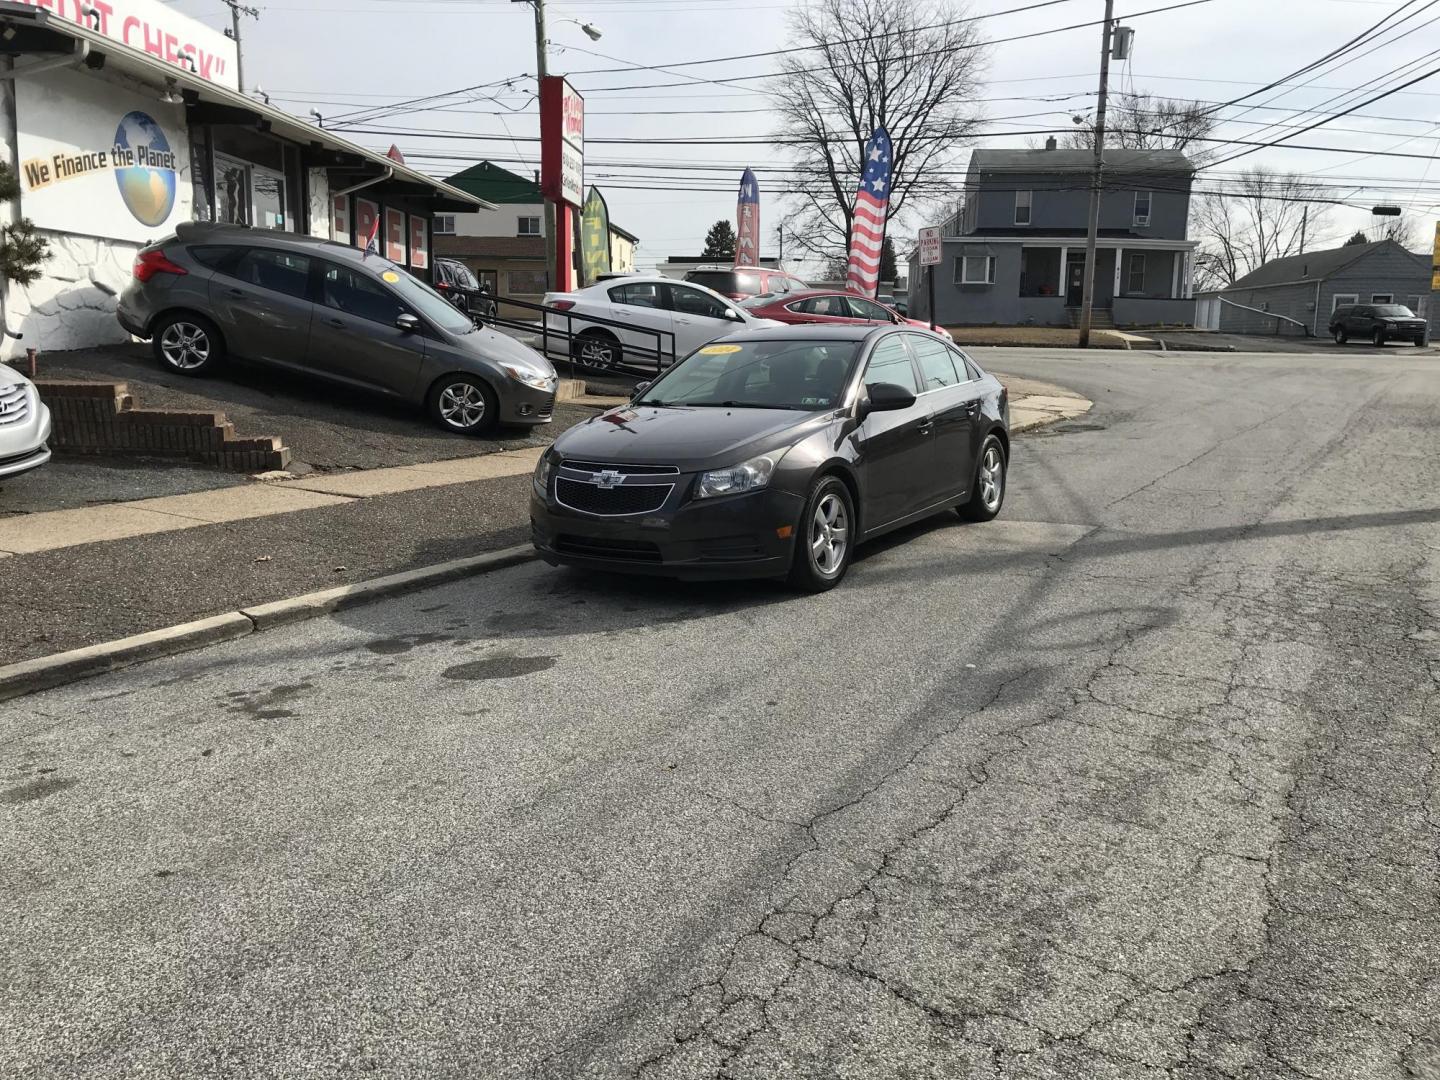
321 308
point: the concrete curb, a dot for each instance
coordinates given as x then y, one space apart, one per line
46 672
28 676
298 608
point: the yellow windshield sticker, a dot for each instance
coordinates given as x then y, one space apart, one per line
390 276
719 350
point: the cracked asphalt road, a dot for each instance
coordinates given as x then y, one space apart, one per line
1138 781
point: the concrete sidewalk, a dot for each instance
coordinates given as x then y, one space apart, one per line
80 576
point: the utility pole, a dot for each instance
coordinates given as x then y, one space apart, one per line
1304 223
1097 179
541 70
236 10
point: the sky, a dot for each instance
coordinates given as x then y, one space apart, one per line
337 56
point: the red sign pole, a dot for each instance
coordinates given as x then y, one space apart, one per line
562 168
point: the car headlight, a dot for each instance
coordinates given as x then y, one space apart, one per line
530 376
543 468
747 476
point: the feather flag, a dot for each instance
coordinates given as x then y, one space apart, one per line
747 216
867 231
372 245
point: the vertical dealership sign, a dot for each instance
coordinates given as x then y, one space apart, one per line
419 243
562 165
594 238
747 220
149 26
98 160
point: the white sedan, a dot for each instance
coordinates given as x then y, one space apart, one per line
24 424
649 310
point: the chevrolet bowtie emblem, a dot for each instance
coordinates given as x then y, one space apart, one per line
608 479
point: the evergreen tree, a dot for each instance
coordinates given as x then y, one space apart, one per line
24 248
720 241
1358 238
888 271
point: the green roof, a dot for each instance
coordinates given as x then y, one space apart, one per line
496 185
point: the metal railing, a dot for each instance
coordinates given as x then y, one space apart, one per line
1270 315
557 342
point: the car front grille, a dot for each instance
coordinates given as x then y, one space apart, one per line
595 547
612 502
14 404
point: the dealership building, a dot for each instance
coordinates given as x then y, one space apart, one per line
123 118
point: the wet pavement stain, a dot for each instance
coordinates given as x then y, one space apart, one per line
500 667
259 703
274 714
393 646
36 789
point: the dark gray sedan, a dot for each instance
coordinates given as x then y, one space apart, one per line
324 309
772 453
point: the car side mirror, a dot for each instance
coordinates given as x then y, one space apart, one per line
639 390
733 315
407 323
885 397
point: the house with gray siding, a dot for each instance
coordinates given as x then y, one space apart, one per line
1015 252
1295 295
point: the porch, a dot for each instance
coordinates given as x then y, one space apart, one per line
1144 283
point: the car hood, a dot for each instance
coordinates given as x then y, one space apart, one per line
499 348
9 376
693 439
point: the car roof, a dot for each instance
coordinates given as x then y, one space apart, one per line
812 331
209 232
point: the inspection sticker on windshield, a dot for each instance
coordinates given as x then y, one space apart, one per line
719 350
390 276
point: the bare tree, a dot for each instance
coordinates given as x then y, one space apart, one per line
1142 121
1400 229
861 64
1263 215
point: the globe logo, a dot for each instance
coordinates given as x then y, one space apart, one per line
148 186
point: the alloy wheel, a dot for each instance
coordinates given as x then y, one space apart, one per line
599 354
829 534
992 477
462 405
185 346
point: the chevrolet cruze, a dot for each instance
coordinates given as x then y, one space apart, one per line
773 453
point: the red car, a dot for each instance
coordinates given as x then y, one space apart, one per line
826 306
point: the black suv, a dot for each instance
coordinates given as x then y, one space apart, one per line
457 283
1377 323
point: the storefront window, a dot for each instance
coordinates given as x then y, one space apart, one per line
232 190
257 180
200 172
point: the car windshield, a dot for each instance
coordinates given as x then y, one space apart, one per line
805 375
1393 311
428 302
463 276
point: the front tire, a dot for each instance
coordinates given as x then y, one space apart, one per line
597 349
987 494
826 537
464 404
1378 339
1341 337
188 344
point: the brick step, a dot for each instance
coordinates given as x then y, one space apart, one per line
1100 318
96 417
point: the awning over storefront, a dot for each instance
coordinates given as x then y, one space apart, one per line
27 31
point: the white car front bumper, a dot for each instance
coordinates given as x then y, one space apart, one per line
24 429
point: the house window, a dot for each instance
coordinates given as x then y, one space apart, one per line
1340 299
527 281
1022 207
528 226
1382 298
974 270
1136 284
444 225
1142 208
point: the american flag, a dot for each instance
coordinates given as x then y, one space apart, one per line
867 232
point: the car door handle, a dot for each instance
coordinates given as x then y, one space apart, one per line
236 292
925 427
335 322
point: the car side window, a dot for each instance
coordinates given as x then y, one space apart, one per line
833 307
936 365
355 294
867 309
694 302
278 271
964 365
639 294
217 257
890 363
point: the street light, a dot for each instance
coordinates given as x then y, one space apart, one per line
590 30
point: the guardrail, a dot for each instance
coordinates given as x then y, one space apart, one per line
554 341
